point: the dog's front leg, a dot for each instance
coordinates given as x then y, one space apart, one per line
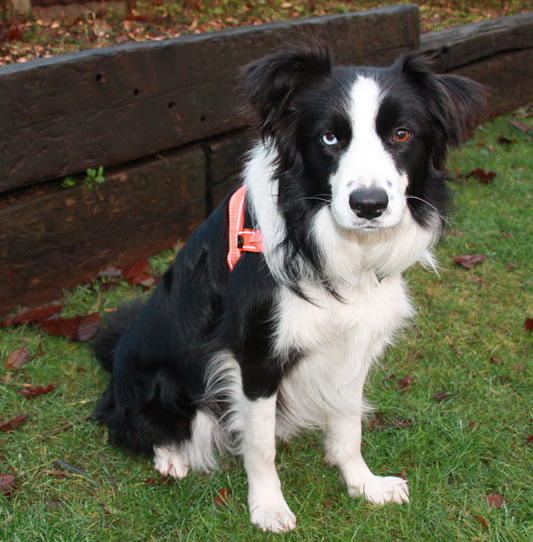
343 445
268 509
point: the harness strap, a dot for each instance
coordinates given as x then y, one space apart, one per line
240 239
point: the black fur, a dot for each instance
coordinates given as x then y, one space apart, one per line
159 351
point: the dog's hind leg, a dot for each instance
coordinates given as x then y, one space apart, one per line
268 509
169 461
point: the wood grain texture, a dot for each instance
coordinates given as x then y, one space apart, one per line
508 76
61 237
108 106
457 47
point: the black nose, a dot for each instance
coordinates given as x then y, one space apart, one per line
369 202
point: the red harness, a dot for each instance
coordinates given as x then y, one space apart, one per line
241 239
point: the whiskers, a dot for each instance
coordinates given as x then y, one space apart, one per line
443 218
325 198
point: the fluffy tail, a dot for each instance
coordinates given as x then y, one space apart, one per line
111 329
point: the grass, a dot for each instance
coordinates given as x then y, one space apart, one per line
469 342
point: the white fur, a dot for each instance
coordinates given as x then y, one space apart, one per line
343 446
170 461
224 383
366 163
268 509
339 338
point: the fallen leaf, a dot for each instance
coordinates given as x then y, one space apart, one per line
455 349
530 440
379 424
495 500
144 279
484 176
137 18
482 520
33 317
222 497
469 260
378 420
505 141
400 424
519 368
34 391
18 358
403 474
138 268
496 360
7 484
522 127
9 427
528 324
88 326
441 396
405 383
79 328
15 33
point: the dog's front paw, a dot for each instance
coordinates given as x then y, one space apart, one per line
276 517
381 490
170 462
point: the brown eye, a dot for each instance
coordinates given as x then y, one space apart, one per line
401 135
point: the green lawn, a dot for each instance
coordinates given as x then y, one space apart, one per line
458 428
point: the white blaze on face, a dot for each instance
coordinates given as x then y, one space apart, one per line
366 163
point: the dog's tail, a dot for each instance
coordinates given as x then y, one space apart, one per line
111 329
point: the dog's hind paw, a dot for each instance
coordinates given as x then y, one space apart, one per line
381 490
276 517
170 462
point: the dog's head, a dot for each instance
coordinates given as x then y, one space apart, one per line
369 142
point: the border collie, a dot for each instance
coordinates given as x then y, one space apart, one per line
345 189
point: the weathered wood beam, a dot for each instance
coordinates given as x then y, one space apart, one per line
54 238
108 106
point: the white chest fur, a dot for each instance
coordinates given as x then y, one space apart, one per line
339 339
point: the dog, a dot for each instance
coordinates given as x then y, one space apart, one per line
271 315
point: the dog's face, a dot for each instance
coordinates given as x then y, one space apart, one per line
359 152
369 143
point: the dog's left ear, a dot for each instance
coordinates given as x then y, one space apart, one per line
274 83
467 102
457 104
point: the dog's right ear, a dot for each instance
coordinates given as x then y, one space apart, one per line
273 83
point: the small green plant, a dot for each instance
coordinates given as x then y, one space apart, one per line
68 182
92 177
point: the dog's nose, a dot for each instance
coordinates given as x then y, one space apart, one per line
369 202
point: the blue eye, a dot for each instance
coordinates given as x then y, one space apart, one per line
329 139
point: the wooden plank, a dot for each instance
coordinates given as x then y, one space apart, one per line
60 237
108 106
468 43
225 157
508 77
